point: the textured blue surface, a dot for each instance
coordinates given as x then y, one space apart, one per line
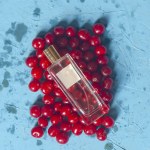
128 40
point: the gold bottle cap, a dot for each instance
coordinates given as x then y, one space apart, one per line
51 53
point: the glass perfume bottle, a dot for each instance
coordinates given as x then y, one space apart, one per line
75 86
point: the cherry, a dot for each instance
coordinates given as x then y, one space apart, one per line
83 34
81 64
73 53
47 111
39 53
107 121
63 52
78 55
77 129
44 63
106 71
66 110
48 76
88 56
90 129
97 87
98 122
37 132
59 30
73 118
35 111
92 66
55 85
34 85
58 92
105 109
70 31
102 60
56 118
96 77
95 40
100 50
57 106
49 38
47 87
74 42
101 134
98 29
106 96
62 42
107 83
85 46
38 43
48 99
65 126
62 137
31 61
82 121
37 72
87 74
65 100
53 130
43 122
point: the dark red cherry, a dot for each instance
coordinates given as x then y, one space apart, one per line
77 128
47 111
62 137
38 43
43 122
37 72
100 50
85 46
107 121
101 134
70 31
59 30
98 29
106 71
48 99
95 40
102 60
35 111
92 66
37 132
90 129
49 38
74 42
34 85
47 87
107 83
83 34
53 130
32 61
88 56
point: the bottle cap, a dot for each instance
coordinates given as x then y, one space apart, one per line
51 54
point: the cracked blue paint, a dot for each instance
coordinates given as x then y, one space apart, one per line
127 39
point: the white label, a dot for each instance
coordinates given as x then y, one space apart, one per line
68 76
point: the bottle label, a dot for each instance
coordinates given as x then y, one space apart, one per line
68 76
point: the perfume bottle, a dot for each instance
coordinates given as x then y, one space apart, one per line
75 86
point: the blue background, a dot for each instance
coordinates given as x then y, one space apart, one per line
128 40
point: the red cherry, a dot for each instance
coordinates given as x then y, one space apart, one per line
34 85
31 61
85 46
48 99
82 121
43 122
39 53
81 64
65 100
100 50
78 55
73 117
105 109
48 76
44 63
46 87
88 56
37 132
107 83
96 77
73 53
49 38
98 122
59 30
77 129
56 118
62 42
101 134
35 111
55 85
57 106
106 71
37 72
98 29
38 43
90 129
62 137
63 52
70 31
83 34
107 121
87 74
58 92
92 66
74 42
95 40
66 110
47 111
102 60
106 96
65 126
97 87
53 130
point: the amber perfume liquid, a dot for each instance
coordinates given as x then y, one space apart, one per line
77 89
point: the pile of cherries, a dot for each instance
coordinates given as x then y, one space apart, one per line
87 51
